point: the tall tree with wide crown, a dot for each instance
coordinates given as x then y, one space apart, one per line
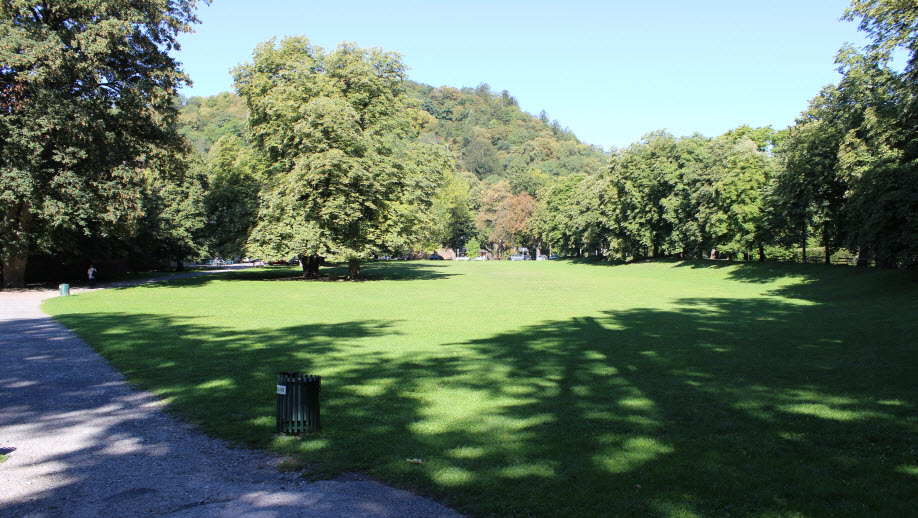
87 92
346 177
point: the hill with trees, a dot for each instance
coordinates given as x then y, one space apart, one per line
493 148
838 183
488 133
99 167
203 120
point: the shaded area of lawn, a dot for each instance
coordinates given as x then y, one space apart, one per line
374 271
802 403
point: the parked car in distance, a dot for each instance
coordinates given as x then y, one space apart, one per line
463 258
519 257
542 257
554 256
294 262
435 257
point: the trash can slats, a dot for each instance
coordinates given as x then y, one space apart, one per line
298 403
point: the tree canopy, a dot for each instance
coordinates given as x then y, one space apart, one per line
86 106
335 154
345 177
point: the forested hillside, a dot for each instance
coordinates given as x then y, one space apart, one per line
496 140
203 120
489 134
838 184
503 160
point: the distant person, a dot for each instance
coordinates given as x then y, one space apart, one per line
713 253
91 273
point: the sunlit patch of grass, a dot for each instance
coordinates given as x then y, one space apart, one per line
824 411
632 453
551 388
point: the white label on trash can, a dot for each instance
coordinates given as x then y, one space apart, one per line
282 390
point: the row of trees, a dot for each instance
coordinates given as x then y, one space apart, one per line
340 157
665 195
275 195
844 176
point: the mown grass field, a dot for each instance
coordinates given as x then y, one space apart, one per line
552 388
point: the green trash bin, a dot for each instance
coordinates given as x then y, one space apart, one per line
298 403
65 289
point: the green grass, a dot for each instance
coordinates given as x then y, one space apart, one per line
552 388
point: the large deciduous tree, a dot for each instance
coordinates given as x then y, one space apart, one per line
346 177
174 214
892 24
491 200
852 164
879 157
86 104
231 203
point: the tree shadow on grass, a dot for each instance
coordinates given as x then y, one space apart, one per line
209 372
805 277
744 271
93 447
725 407
716 407
378 271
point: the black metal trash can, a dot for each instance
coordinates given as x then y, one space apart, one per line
297 403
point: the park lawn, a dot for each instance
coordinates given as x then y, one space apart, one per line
554 388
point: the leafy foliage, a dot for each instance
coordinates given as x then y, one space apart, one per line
231 202
497 140
345 176
86 103
204 120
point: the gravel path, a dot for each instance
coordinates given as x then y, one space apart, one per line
82 443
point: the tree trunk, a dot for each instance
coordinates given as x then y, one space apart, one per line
656 251
353 269
310 265
761 252
14 271
132 260
826 242
804 244
180 264
863 256
17 251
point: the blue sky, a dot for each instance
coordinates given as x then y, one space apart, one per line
610 71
